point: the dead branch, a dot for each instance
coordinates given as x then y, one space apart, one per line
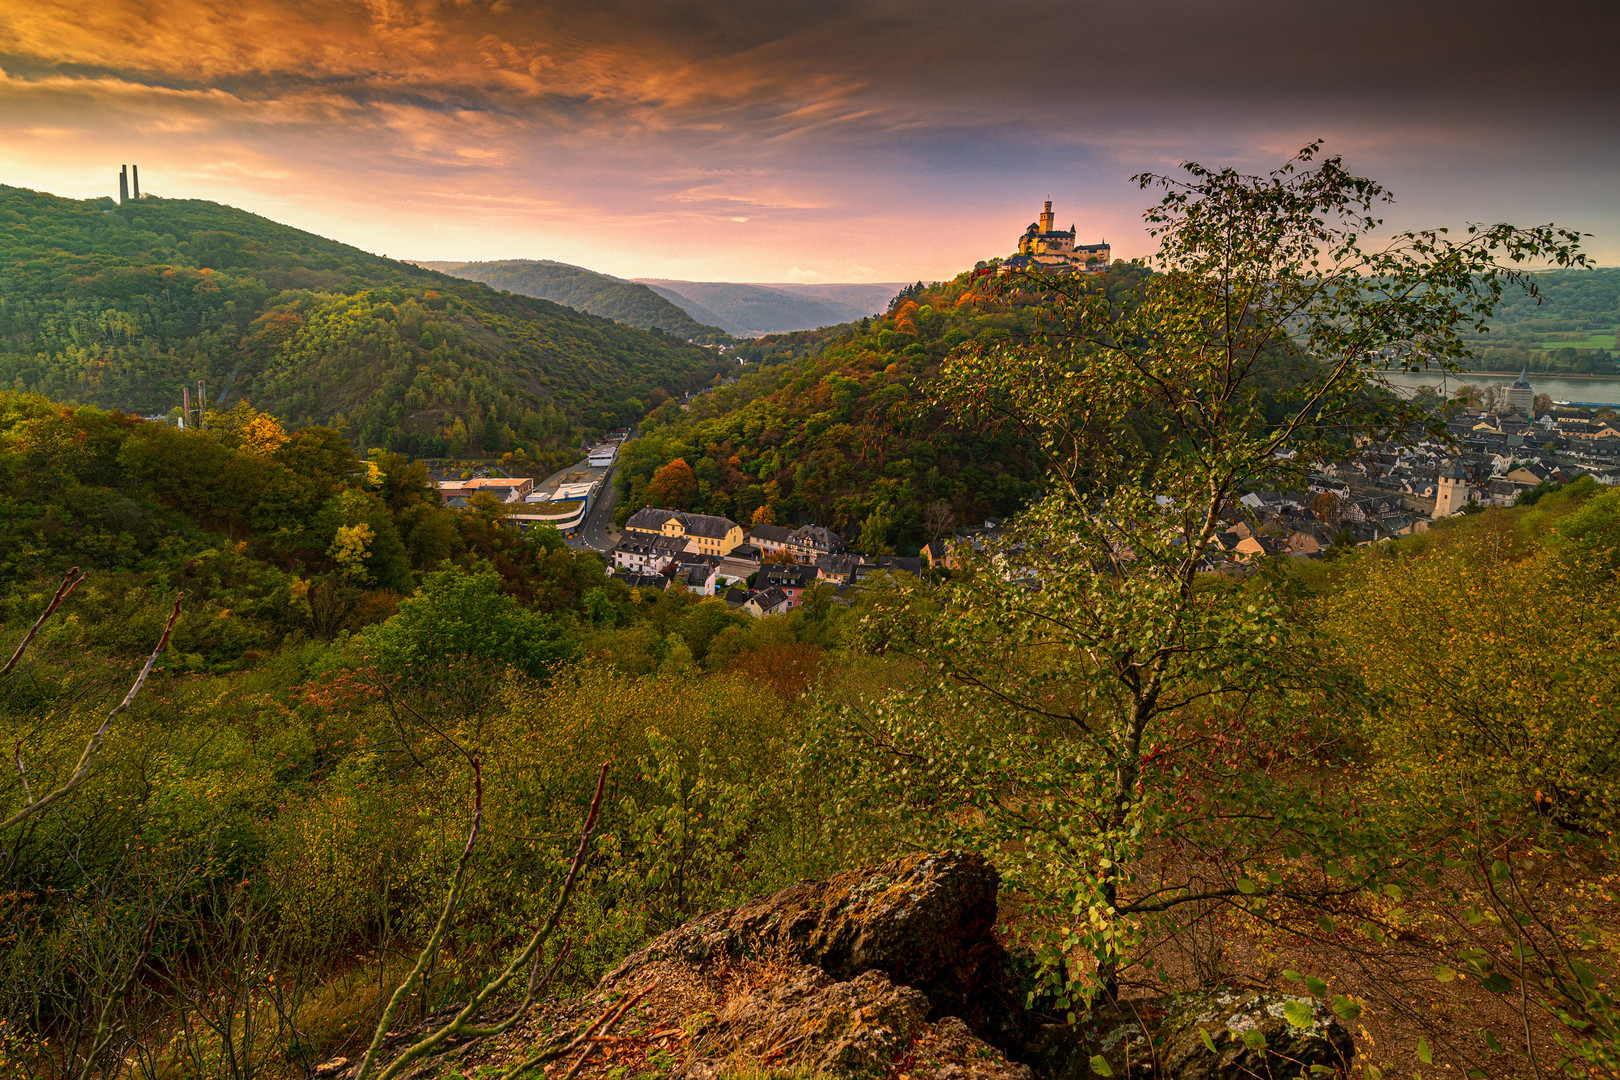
458 1025
63 591
594 1042
92 749
595 1034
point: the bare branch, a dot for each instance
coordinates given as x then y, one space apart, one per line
63 591
458 1025
92 749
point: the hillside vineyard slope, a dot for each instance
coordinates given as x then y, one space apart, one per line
119 306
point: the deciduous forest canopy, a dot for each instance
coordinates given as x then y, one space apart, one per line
612 298
119 306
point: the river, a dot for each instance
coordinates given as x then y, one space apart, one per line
1600 391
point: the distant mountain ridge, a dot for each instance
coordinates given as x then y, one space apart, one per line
120 306
753 309
628 302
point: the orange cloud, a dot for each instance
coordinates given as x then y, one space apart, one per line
734 138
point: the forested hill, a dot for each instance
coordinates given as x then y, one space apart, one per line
749 310
585 290
831 427
119 306
1571 326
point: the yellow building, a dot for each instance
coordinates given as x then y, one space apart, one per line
705 534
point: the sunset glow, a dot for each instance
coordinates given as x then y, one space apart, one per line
813 142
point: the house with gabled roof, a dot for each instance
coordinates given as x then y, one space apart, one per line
646 554
699 577
641 581
791 579
768 602
803 544
707 534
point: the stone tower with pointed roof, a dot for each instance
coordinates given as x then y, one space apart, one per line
1520 397
1451 494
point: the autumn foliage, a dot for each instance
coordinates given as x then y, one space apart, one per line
673 487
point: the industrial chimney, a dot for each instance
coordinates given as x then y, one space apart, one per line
202 403
185 407
135 181
123 184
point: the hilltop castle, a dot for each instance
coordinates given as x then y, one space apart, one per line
1051 250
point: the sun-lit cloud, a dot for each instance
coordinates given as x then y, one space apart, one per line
893 139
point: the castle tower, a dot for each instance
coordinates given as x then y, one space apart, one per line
1046 217
1452 493
123 184
134 181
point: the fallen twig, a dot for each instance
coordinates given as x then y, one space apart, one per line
591 1045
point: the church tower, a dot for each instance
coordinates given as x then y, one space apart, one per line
1520 397
1452 492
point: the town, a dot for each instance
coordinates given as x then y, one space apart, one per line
1502 448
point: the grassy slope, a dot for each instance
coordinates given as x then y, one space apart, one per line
1572 329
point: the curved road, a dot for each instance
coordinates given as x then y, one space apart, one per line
593 534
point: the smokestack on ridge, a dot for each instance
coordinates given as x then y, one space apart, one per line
185 407
135 181
123 184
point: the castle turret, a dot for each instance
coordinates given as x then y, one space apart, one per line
1451 493
1045 248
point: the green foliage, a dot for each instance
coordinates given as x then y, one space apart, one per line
1569 325
282 535
454 615
684 839
622 301
834 425
121 306
1491 656
1082 669
1401 748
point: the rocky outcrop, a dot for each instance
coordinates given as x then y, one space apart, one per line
923 920
865 1026
894 971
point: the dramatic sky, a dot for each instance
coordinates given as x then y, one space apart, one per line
781 140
